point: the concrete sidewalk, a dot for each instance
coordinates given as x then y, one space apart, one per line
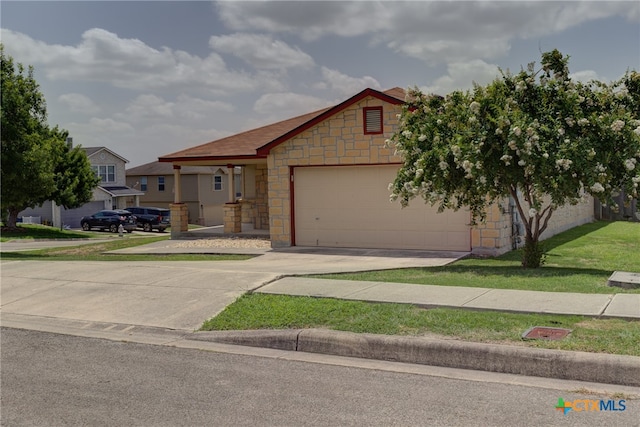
296 261
282 270
596 305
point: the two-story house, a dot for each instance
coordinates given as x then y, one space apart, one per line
111 193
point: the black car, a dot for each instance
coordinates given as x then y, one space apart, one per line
150 218
109 220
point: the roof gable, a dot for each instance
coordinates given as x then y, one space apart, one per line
92 151
264 150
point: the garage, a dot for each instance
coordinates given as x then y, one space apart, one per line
71 217
348 206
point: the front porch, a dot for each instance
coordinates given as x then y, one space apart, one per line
245 214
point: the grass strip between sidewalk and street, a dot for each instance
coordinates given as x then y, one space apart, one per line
266 311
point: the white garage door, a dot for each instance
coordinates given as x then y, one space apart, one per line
72 217
349 207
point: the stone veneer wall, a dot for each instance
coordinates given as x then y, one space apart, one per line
569 216
179 219
495 235
339 140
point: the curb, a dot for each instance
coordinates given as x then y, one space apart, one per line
557 364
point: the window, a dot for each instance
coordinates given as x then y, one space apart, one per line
372 119
161 183
217 183
143 183
106 173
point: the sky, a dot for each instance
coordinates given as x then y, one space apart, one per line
149 78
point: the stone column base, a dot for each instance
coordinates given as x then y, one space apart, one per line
248 211
232 218
179 219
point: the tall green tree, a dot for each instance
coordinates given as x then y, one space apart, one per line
73 176
537 137
37 165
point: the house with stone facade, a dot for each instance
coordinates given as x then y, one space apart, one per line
321 179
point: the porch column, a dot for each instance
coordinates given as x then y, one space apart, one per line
232 209
177 184
179 211
232 184
232 218
179 219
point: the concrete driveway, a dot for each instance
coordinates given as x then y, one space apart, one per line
167 294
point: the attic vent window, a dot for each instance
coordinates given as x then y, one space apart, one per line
372 120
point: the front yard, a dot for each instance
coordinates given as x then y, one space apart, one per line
579 260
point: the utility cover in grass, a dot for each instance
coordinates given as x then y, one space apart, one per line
623 279
544 333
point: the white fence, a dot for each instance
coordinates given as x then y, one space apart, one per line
31 219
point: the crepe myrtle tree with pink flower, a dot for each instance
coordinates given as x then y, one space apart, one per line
536 136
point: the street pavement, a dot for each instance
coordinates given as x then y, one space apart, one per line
102 297
61 380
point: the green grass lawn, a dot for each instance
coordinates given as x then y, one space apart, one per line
579 260
32 232
264 311
96 252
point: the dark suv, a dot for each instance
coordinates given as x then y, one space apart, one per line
151 218
109 220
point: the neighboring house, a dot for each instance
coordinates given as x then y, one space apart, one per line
321 179
204 189
111 193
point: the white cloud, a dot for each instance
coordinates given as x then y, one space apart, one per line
191 108
433 31
102 56
108 125
79 103
98 132
585 76
461 75
261 51
286 105
148 107
152 108
344 85
310 20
